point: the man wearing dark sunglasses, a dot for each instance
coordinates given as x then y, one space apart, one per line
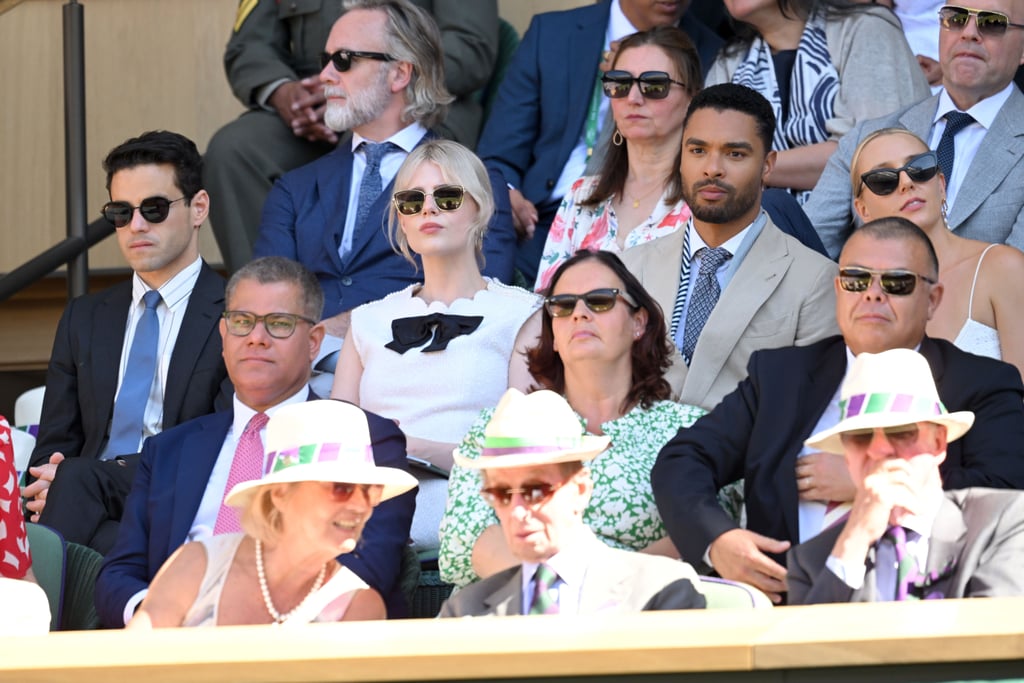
766 290
534 474
270 332
974 124
905 538
273 61
100 403
384 81
885 291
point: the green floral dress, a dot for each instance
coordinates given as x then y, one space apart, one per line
621 512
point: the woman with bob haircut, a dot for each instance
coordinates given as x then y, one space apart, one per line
603 347
318 490
433 355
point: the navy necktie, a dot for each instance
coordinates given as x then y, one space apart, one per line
705 295
371 185
130 406
955 122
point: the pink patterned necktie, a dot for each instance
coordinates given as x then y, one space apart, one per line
246 466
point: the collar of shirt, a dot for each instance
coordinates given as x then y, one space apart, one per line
984 112
738 245
244 413
407 138
570 563
172 292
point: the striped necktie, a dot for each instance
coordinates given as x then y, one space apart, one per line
545 600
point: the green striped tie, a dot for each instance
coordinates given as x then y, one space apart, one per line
544 601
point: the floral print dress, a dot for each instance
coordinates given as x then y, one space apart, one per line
596 227
621 513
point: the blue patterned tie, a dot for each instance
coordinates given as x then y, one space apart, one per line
955 122
544 602
705 295
371 185
130 406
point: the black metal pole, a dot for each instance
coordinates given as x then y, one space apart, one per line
74 142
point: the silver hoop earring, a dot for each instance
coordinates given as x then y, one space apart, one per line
617 138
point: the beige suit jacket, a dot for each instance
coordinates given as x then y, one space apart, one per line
781 295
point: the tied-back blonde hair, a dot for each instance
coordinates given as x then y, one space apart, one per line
458 166
855 182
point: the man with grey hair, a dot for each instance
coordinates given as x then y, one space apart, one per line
383 78
270 332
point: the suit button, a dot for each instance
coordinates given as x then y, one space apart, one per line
346 280
551 184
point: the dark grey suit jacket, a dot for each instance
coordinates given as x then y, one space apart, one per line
616 581
81 380
981 530
989 205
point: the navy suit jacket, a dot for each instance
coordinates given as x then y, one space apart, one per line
81 380
170 483
756 432
304 219
542 102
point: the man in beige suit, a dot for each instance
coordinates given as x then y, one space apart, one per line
533 475
730 281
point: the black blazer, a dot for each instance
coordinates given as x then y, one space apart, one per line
81 380
756 432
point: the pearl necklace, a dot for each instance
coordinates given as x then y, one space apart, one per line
261 575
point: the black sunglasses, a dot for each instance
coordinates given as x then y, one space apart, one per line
446 198
654 85
277 325
884 181
342 59
342 492
153 209
900 436
533 494
597 300
955 18
893 282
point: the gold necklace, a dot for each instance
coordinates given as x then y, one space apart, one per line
637 199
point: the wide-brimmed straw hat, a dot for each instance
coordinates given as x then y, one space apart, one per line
886 390
536 429
320 441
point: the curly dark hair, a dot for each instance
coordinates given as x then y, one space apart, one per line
651 353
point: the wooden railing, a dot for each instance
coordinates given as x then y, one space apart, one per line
937 640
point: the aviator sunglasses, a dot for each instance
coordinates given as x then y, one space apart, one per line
342 492
893 282
900 436
654 85
446 198
153 209
342 59
990 23
533 494
885 181
597 300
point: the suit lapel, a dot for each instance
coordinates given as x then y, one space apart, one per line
584 51
944 545
607 583
918 118
333 184
508 598
195 463
1000 150
107 339
205 305
823 376
757 277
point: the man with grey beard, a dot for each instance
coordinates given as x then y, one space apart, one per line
383 79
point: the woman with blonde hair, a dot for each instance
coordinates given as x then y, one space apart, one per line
894 173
